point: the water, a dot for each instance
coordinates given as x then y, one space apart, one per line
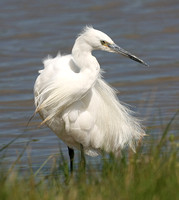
29 31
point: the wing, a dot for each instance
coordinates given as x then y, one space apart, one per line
120 127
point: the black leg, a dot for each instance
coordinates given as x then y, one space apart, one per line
71 154
83 160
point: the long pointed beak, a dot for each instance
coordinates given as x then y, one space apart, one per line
115 48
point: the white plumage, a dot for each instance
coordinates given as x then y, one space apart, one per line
78 105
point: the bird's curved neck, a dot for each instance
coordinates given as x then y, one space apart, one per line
87 63
83 57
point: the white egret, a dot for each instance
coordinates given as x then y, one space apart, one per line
79 106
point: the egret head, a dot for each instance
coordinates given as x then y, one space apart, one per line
98 40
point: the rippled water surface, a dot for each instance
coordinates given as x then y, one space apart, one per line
30 30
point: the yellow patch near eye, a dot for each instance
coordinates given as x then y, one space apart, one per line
104 43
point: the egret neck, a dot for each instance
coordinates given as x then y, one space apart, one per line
86 62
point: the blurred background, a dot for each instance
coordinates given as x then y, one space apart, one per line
30 30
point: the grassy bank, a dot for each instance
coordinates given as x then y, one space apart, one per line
151 173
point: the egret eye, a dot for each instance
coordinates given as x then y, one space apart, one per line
103 42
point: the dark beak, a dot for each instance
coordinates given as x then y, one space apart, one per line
115 48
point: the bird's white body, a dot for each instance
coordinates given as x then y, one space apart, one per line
79 106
